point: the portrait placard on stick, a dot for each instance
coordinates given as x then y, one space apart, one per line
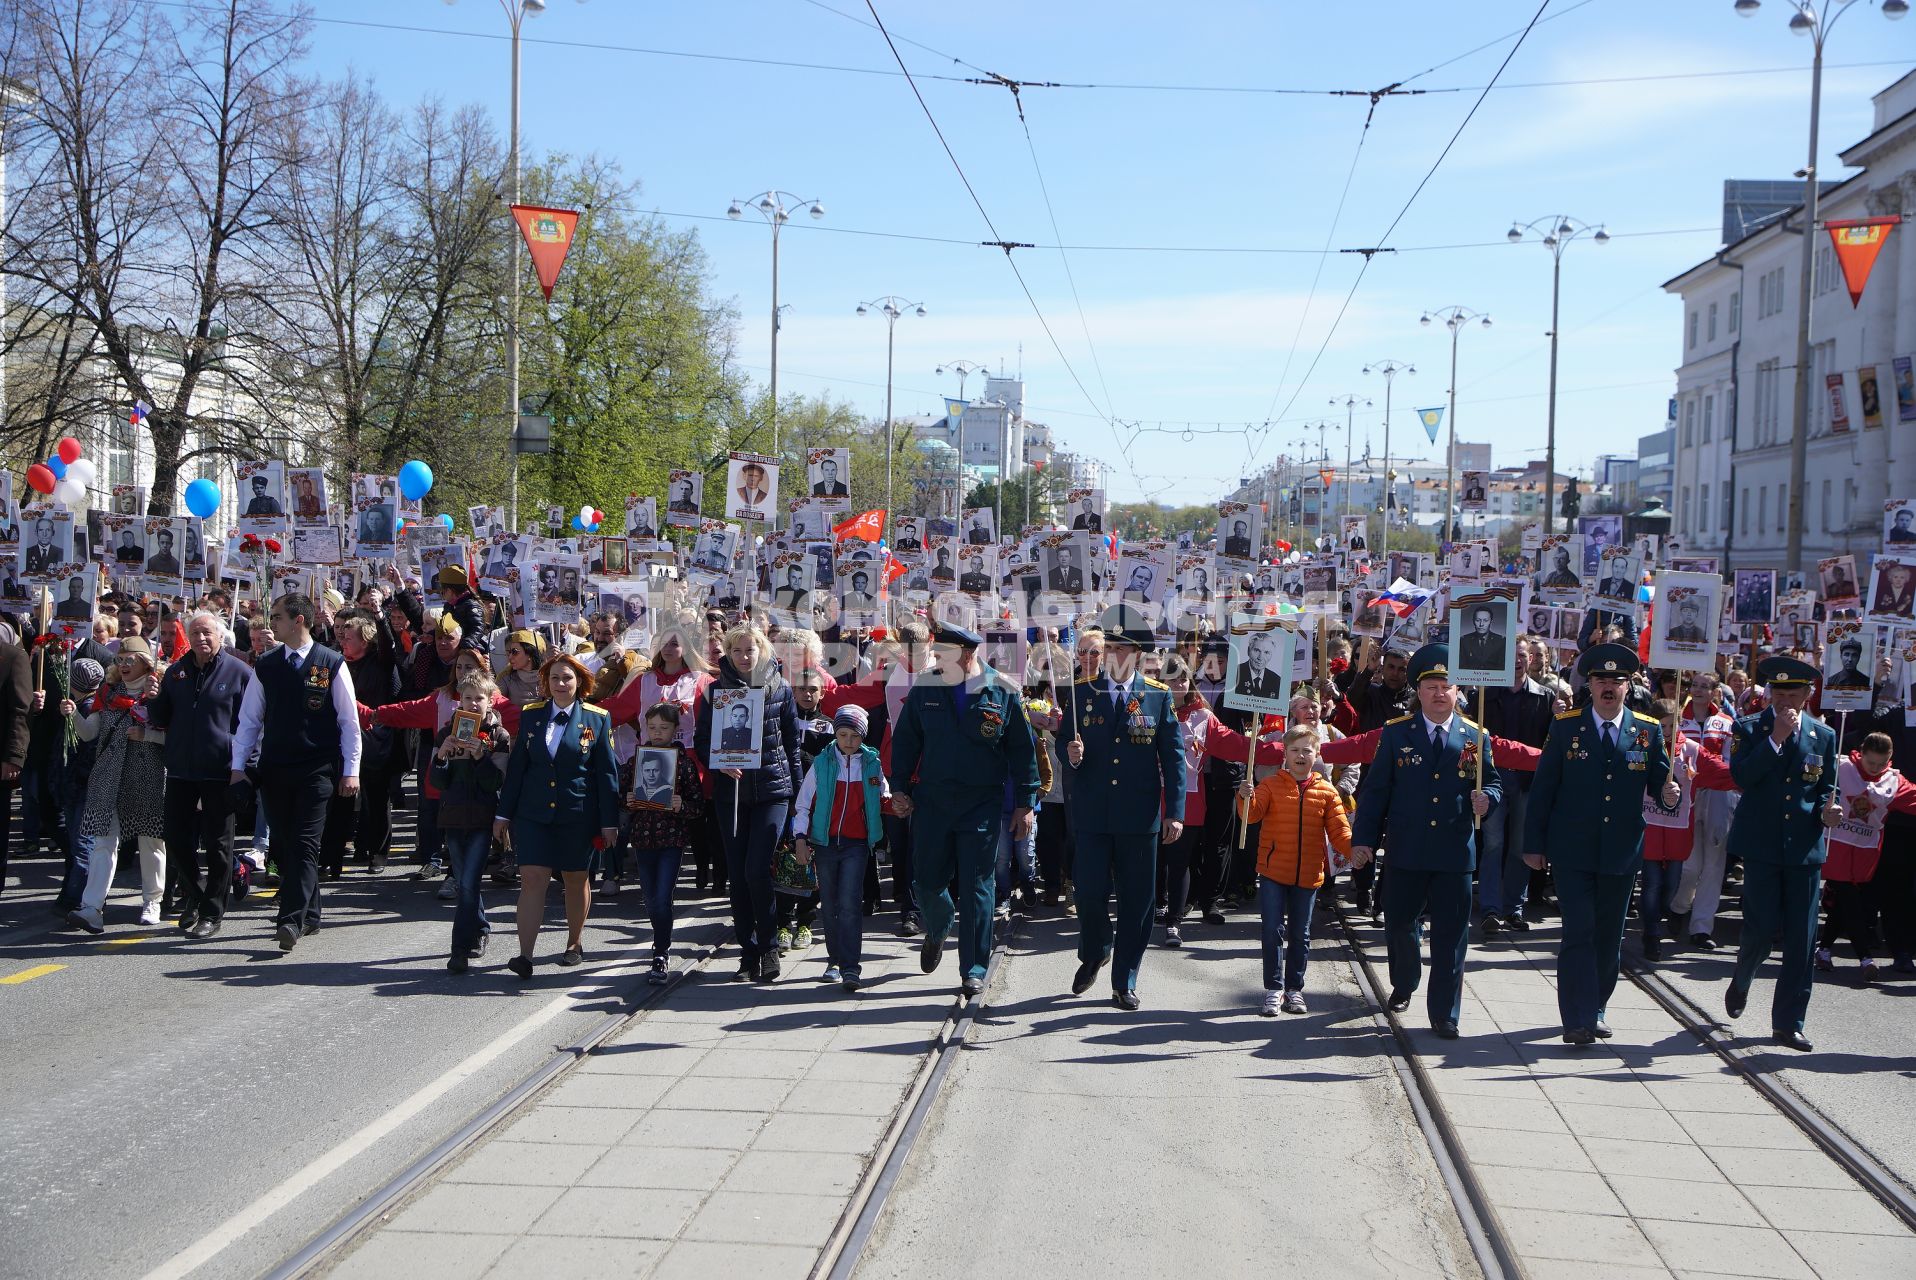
1683 637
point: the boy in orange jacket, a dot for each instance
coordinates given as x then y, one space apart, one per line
1302 815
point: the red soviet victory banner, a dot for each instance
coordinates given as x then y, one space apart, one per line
548 234
1857 242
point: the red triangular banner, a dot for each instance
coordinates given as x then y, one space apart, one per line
1327 475
548 234
1857 242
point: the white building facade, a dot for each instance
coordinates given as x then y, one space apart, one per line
1736 382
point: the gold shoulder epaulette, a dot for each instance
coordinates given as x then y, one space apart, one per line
1155 684
1646 719
593 706
1472 723
533 706
1400 719
1571 714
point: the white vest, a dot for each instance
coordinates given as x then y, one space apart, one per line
1865 805
1683 772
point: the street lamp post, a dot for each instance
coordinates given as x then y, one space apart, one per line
1350 403
1555 232
1390 369
1455 318
891 306
517 11
773 207
1814 21
964 369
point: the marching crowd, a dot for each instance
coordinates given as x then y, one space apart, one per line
901 776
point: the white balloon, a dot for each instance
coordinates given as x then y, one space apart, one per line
68 490
83 473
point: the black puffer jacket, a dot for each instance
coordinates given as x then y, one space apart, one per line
777 776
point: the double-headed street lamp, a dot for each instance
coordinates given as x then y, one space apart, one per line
1390 369
891 306
517 11
1555 232
1814 21
773 207
964 369
1455 318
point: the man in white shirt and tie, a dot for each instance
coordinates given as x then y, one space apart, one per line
300 716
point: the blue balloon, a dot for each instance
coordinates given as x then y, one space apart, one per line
57 467
445 520
415 480
578 524
202 498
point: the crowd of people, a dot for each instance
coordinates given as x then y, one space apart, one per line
896 779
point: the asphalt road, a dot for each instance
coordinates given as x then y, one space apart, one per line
163 1100
1860 1076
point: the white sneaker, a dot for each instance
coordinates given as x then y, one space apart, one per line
150 912
1294 1002
1272 1000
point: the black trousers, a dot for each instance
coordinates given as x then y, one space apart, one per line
199 837
365 820
296 805
1175 863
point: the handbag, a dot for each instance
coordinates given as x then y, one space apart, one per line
789 875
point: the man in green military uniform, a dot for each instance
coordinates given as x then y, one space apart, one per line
983 749
1420 798
1124 744
1586 817
1784 762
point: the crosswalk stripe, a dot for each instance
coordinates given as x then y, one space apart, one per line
28 975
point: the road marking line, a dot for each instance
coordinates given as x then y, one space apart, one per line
28 975
247 1219
130 939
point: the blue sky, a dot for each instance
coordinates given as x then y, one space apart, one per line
1175 337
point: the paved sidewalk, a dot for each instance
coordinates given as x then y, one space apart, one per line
1190 1138
1644 1155
722 1134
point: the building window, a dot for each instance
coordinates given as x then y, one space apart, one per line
1709 417
122 452
1725 520
1762 508
1689 424
1703 508
1736 312
1693 331
1826 506
1782 508
1711 336
1683 510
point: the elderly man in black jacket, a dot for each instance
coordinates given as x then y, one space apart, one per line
197 707
1520 713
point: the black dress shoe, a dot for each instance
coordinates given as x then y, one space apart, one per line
1653 949
1702 942
457 963
521 966
1579 1036
1734 1000
1602 1030
972 986
930 952
1086 975
572 956
1127 1000
189 917
1792 1040
1400 1000
1446 1030
206 927
309 930
747 970
910 926
768 966
1516 924
1212 916
1491 925
287 936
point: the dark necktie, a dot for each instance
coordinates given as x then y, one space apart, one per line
561 718
1609 735
1437 738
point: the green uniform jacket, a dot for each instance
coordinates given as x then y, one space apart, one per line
956 761
1779 820
1586 802
1415 801
1133 770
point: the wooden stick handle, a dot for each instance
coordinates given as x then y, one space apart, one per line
1483 745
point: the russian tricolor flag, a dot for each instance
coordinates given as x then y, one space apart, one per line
140 409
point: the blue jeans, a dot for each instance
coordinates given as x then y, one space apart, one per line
431 840
466 852
658 871
1659 882
1017 860
1284 910
841 894
1503 881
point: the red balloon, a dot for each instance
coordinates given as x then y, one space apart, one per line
598 516
68 450
39 478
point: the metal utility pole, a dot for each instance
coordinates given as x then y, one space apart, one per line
1350 403
1390 369
891 306
1555 233
773 207
1454 318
